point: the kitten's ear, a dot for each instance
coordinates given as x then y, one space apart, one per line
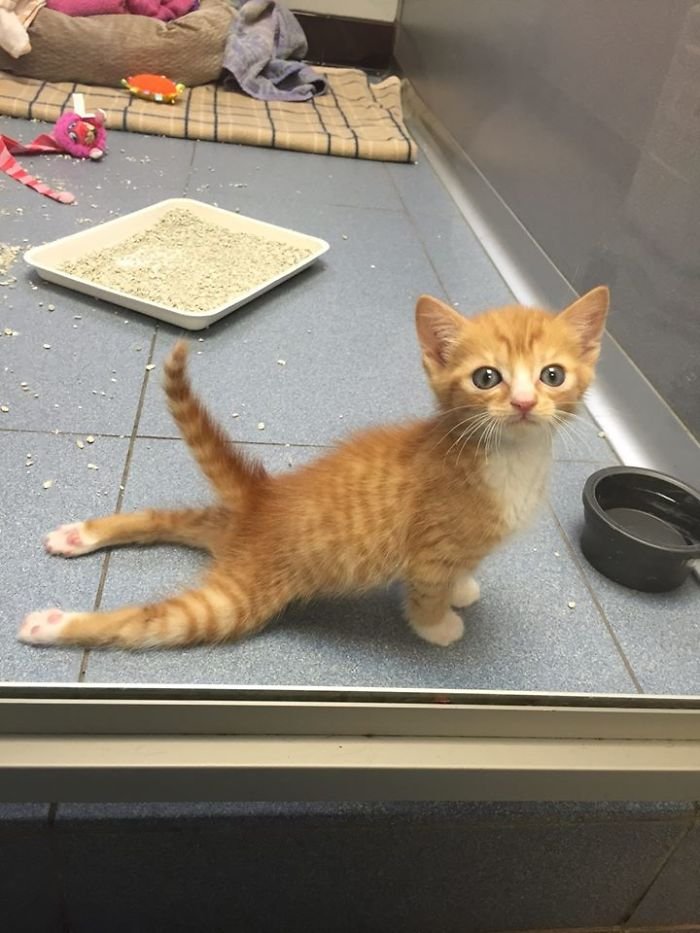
438 328
587 318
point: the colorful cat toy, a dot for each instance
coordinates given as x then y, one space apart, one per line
76 133
156 88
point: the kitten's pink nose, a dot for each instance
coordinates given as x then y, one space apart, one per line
523 404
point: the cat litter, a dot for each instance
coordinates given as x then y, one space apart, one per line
181 261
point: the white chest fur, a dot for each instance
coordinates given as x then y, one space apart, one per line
518 475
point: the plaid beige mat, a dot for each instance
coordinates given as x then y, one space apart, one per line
355 119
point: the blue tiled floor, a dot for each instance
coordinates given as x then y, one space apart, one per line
345 330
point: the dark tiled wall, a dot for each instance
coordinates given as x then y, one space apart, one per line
346 868
585 117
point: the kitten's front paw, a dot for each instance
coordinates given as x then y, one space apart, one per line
43 628
449 629
465 591
69 540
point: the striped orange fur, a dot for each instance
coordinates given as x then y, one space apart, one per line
422 502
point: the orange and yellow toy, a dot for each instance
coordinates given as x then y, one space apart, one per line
157 88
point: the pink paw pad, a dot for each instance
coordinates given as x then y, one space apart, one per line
43 628
68 540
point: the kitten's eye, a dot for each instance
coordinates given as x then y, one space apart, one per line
553 375
486 378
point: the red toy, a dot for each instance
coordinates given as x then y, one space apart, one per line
77 133
156 88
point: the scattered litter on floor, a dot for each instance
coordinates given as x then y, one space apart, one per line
150 366
281 362
51 307
79 444
571 604
92 466
4 409
602 434
8 254
90 439
47 484
261 425
46 346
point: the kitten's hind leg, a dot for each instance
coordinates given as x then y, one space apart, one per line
192 527
195 616
228 605
465 591
429 613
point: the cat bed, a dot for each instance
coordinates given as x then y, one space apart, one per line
355 118
101 50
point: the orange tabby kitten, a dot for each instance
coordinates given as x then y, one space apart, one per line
423 502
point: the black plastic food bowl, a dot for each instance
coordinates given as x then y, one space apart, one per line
642 529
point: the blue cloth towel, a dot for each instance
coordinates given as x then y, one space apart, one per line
264 37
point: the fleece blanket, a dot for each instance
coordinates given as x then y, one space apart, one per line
355 118
264 41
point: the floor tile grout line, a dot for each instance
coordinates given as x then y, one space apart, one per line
596 602
460 216
162 437
594 461
104 570
663 862
188 177
56 432
419 235
284 444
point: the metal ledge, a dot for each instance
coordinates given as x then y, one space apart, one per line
250 769
196 712
640 426
130 744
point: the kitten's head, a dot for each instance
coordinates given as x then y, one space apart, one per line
516 367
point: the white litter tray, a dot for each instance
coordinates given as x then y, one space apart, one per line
48 259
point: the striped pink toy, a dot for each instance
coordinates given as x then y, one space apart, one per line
45 143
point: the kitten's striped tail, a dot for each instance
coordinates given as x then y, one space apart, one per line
232 474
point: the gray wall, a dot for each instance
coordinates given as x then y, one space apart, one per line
585 117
